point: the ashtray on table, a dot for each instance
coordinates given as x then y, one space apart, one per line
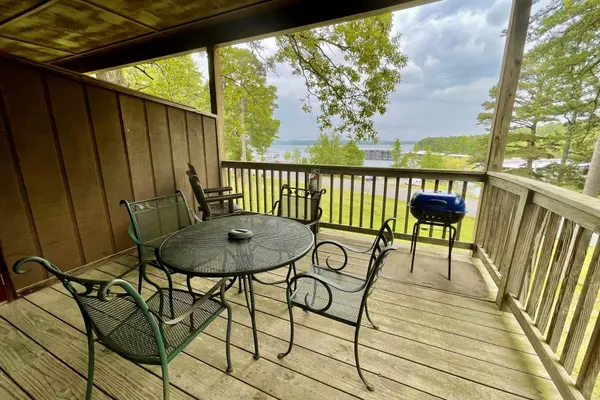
239 234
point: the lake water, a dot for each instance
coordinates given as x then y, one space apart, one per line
276 152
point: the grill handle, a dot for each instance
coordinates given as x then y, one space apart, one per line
438 202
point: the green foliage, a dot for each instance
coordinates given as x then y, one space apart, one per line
469 145
432 161
296 156
249 103
329 150
352 91
287 156
397 154
177 79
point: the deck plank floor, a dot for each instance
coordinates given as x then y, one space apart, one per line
432 343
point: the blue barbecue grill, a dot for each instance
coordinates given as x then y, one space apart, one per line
436 208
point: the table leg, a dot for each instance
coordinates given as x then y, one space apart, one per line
249 294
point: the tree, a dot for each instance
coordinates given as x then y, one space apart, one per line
349 69
329 150
296 156
177 79
432 161
249 104
397 154
353 155
287 156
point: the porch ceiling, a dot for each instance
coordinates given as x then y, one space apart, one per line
85 35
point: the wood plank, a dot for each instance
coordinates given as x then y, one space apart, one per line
181 154
9 389
272 320
160 147
197 152
590 367
582 313
507 186
37 371
563 381
581 243
523 243
17 232
505 225
32 131
139 382
112 154
138 147
543 263
533 254
213 167
79 157
561 255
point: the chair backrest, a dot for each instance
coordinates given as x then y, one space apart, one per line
299 203
375 269
383 240
153 219
199 194
105 310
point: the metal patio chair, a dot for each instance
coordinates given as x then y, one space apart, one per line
152 220
153 332
327 291
303 205
210 205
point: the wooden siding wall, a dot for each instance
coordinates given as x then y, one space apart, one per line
71 148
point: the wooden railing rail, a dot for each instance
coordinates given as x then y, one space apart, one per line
358 199
537 240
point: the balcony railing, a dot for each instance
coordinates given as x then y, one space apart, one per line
539 242
359 199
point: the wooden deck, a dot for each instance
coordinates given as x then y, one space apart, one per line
435 341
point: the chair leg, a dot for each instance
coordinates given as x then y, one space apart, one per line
291 344
228 338
369 386
240 284
369 316
188 281
141 276
165 378
91 358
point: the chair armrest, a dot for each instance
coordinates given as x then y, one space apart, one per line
272 212
225 197
218 189
328 284
197 304
194 216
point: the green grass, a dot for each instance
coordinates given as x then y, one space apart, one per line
337 210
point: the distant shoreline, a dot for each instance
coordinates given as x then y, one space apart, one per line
311 142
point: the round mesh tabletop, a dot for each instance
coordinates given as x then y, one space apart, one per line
205 249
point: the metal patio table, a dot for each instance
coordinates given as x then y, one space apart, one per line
205 250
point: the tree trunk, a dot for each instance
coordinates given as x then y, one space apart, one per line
592 181
567 146
531 145
243 134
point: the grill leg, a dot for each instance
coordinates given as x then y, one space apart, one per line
416 228
451 237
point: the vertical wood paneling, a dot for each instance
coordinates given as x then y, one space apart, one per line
31 128
16 234
160 146
196 140
179 144
212 151
138 147
104 111
73 130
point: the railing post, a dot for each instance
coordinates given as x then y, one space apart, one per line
523 228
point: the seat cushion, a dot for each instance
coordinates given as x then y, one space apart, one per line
311 294
124 329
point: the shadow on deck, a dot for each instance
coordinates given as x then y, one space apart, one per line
437 339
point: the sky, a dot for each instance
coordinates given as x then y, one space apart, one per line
454 50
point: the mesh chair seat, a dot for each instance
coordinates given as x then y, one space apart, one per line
121 325
345 306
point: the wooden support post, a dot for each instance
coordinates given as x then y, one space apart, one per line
509 80
215 87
